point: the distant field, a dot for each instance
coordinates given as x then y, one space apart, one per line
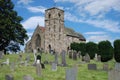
48 74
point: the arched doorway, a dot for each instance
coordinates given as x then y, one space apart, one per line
38 42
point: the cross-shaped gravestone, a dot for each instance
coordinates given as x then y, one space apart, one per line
92 67
63 53
54 67
71 74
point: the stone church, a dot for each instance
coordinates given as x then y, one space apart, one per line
54 36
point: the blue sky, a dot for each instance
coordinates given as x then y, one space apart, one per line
97 20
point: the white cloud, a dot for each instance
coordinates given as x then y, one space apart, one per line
98 38
26 2
99 32
37 9
94 7
32 22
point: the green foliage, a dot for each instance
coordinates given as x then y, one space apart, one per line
10 27
82 48
105 50
75 46
91 49
117 50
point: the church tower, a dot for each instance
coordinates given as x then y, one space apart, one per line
54 29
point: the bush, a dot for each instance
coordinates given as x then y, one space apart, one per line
117 50
105 50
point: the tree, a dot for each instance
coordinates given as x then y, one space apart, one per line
91 49
117 50
105 50
74 46
10 27
82 48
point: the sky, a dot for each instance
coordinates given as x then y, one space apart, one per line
96 20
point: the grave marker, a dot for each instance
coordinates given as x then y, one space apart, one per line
92 67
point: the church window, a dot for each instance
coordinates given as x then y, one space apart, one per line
59 14
49 15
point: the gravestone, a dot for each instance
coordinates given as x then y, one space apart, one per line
70 54
87 58
96 57
27 58
38 68
9 77
28 77
54 67
71 74
79 54
99 58
117 66
1 54
113 75
92 67
12 66
63 55
105 67
56 58
74 55
6 62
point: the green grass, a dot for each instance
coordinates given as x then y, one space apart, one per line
48 74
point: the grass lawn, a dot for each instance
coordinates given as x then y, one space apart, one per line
47 74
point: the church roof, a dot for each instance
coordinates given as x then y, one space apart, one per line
72 33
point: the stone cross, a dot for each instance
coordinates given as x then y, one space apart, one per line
38 68
63 55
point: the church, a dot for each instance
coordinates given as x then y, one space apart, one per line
54 36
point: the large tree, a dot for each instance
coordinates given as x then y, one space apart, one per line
105 50
10 27
91 49
117 50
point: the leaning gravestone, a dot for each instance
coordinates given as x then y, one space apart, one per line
9 77
92 67
113 75
71 74
117 66
38 68
28 77
63 53
54 67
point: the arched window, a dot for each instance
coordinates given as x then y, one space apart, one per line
59 14
49 16
38 41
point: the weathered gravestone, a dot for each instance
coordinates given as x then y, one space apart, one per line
113 75
105 67
9 77
79 54
28 77
56 58
27 58
87 58
12 66
54 67
70 54
71 74
38 68
1 54
63 55
96 57
92 67
99 58
117 66
74 55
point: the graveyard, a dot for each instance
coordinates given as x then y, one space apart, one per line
75 68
